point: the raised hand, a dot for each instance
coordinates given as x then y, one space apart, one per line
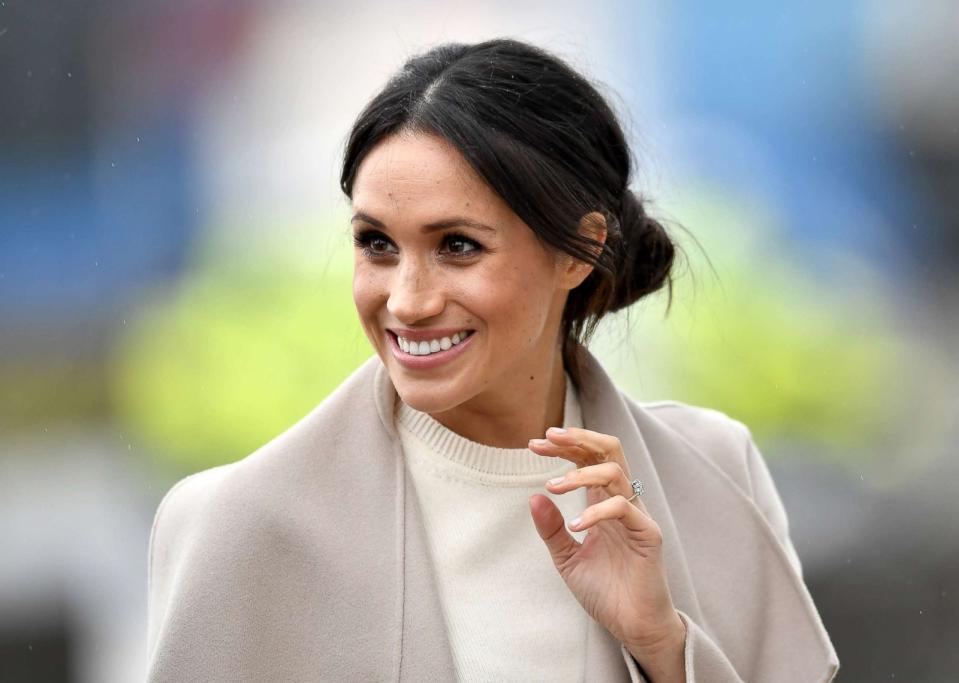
617 572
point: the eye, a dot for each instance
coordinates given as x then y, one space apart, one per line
460 245
373 243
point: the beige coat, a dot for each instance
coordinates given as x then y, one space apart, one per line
307 560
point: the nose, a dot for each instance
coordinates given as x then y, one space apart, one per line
415 294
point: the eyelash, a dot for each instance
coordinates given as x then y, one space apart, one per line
362 240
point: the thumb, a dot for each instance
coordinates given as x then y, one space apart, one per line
551 527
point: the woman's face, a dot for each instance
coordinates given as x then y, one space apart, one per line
453 290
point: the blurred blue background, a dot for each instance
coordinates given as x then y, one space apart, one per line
175 276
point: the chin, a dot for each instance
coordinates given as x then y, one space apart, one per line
438 389
424 398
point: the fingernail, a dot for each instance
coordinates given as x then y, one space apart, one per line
557 430
537 442
575 521
556 480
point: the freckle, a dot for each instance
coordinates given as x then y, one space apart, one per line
531 377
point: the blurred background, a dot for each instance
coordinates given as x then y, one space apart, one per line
175 265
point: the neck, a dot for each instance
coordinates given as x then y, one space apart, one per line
521 408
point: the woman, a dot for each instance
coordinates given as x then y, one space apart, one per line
413 525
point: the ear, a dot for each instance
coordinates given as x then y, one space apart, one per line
592 225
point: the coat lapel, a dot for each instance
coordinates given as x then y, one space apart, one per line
425 653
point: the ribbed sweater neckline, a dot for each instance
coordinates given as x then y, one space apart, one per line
488 463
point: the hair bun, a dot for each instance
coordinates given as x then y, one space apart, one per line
645 257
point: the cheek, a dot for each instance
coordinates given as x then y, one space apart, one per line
514 301
368 292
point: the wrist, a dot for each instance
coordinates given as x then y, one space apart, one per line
663 659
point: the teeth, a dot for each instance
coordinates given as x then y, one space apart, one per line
425 348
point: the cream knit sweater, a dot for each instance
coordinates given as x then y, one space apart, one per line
509 615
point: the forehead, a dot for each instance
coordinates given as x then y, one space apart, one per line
418 175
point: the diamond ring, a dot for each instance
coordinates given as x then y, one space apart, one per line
638 488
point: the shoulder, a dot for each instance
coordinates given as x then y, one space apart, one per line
230 494
175 527
694 423
717 437
180 508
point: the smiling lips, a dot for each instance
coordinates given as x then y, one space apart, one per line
421 349
425 347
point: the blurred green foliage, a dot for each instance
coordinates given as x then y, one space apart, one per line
236 352
771 354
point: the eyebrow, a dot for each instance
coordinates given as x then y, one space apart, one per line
452 222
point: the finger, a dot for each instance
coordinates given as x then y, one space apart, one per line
591 447
574 453
578 454
618 508
607 475
551 527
